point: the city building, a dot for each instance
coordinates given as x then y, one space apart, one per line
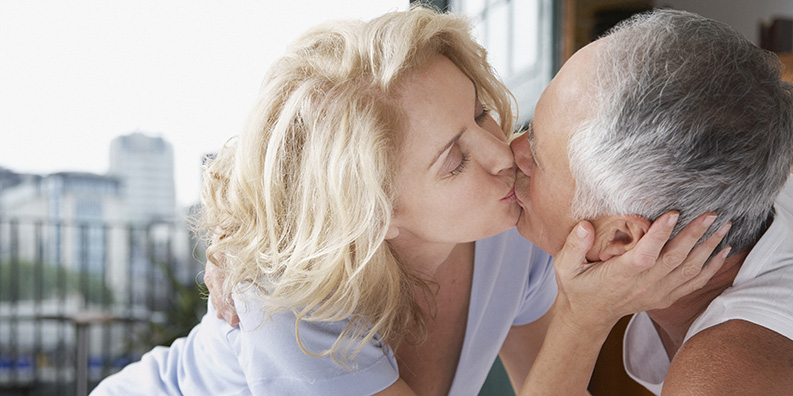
145 167
76 208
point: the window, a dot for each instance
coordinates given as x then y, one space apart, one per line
518 35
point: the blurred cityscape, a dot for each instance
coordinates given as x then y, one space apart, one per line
94 269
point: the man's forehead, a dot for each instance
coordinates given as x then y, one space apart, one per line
566 104
575 82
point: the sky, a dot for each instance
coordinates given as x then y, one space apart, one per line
76 74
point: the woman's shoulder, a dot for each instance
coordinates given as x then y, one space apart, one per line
273 358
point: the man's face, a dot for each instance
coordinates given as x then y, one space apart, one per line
544 185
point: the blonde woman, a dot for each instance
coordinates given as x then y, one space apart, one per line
363 222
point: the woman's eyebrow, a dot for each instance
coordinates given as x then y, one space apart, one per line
446 147
459 134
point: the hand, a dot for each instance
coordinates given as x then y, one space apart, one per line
653 275
224 305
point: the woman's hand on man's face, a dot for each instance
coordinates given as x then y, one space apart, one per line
652 275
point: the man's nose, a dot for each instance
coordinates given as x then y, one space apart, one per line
522 153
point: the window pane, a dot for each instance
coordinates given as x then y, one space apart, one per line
497 21
525 22
472 7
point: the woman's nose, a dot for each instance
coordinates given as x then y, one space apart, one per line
501 157
522 153
496 155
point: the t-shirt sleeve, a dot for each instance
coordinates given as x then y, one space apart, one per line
200 364
274 363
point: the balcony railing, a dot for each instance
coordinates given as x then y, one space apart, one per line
81 299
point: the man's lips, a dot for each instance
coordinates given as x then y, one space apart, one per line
521 183
515 198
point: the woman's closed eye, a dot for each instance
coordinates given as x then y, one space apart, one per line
455 161
457 156
481 114
461 165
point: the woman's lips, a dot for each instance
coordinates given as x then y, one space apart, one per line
510 197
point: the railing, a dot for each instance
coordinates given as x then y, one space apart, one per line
79 299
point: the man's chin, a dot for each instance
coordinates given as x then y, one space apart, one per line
523 226
527 231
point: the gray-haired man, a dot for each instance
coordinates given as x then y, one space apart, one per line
672 111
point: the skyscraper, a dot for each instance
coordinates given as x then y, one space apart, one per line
144 165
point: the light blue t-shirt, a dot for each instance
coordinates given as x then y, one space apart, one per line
513 284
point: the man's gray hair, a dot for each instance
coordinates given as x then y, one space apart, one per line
690 116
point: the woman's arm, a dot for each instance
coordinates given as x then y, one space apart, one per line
521 347
399 388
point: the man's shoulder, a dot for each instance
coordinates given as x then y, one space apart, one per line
734 357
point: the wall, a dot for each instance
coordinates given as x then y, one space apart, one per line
744 16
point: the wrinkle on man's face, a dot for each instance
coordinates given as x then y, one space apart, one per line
546 192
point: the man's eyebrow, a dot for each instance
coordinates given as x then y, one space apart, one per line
532 143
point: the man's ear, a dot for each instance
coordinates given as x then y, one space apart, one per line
615 235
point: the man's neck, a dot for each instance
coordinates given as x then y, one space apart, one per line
673 323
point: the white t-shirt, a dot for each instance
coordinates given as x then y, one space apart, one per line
513 284
762 293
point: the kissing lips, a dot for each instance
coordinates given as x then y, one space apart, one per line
510 197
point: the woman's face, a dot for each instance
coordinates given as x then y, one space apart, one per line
456 176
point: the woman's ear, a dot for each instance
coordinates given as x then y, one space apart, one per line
393 232
616 234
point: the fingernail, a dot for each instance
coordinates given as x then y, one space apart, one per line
709 220
581 231
726 252
723 230
673 218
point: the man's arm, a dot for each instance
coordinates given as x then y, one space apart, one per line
734 358
224 305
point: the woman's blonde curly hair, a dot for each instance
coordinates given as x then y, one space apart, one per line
297 208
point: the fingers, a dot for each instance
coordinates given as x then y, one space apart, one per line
216 302
573 253
692 268
229 313
702 278
225 309
224 305
692 274
679 248
649 247
213 281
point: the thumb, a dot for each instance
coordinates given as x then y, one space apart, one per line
573 253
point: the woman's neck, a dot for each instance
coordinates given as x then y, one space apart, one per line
424 257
